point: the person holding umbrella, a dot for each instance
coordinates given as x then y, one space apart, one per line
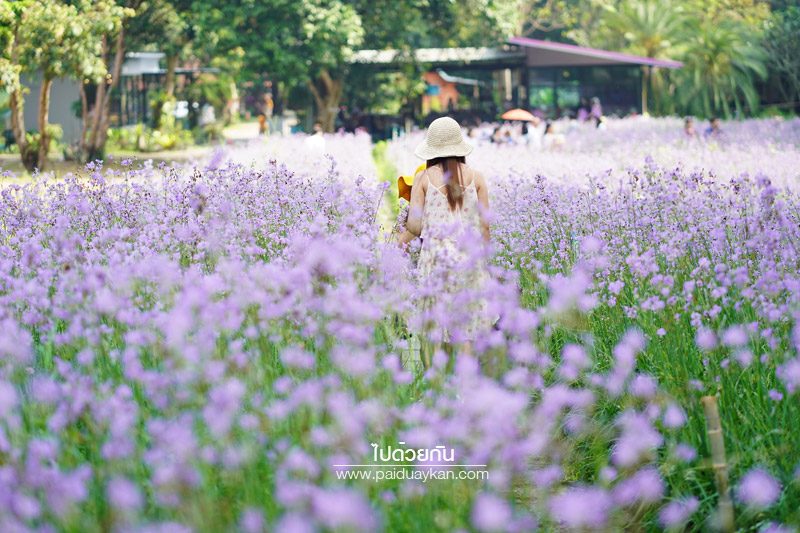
526 118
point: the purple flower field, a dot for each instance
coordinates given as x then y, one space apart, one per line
202 348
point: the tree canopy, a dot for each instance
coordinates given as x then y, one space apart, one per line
727 46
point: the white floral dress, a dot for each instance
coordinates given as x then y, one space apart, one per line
451 268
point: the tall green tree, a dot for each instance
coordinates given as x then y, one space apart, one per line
95 115
164 25
55 40
718 41
650 28
302 42
541 18
782 45
722 61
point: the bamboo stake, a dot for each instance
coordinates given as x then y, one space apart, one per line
719 463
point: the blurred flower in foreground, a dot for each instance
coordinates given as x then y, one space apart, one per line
676 513
758 489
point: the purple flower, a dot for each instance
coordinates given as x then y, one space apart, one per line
676 513
252 521
8 399
789 374
16 344
123 494
547 476
705 339
295 523
581 507
735 336
685 453
26 507
343 508
645 486
643 386
638 439
758 489
490 512
674 417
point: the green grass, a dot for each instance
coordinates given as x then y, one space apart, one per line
387 172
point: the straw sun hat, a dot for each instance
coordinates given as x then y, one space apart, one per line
443 139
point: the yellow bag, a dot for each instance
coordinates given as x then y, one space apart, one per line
404 183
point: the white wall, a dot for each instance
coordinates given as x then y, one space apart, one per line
63 94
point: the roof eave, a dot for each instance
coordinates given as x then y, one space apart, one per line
595 53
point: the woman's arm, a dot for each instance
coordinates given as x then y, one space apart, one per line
405 238
483 204
417 207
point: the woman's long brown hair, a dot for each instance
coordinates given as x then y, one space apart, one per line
452 178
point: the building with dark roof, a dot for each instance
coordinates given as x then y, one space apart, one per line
535 74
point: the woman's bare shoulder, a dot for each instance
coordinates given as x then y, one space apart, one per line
422 178
478 178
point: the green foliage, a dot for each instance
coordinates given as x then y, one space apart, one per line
161 24
58 39
10 15
54 135
65 39
783 48
290 40
384 92
209 133
216 90
539 18
721 65
718 41
141 138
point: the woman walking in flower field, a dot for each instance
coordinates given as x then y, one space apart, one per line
449 211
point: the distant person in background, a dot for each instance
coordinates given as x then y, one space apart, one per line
316 141
535 132
596 111
713 130
269 105
551 140
583 111
689 130
497 135
207 115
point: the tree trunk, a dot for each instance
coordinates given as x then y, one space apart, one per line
119 58
169 79
44 111
95 142
17 105
90 140
327 95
